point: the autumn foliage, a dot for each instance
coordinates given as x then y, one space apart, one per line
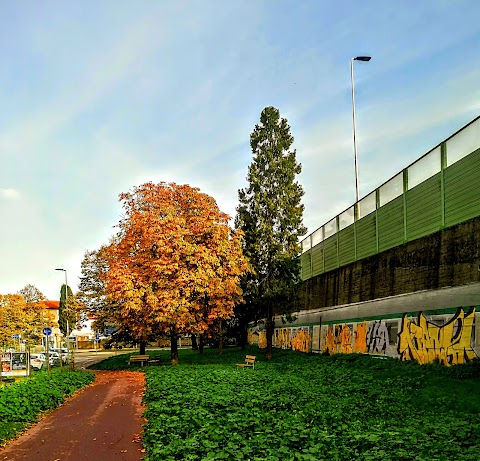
19 315
174 265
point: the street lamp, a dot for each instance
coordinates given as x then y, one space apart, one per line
68 327
365 59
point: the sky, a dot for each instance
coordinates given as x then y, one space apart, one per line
99 97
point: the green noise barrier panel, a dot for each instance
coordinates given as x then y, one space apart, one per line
346 245
306 267
462 190
445 199
390 224
331 256
317 259
424 208
366 236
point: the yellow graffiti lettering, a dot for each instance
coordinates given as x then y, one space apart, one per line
301 342
425 341
330 341
345 341
262 339
284 338
360 335
252 338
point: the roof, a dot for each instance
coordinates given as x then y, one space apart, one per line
52 304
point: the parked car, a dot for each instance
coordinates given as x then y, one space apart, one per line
63 352
53 358
37 361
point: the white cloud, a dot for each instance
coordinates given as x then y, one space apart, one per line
10 194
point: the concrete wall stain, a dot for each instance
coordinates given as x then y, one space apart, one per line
448 258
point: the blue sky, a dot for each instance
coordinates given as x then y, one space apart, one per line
98 97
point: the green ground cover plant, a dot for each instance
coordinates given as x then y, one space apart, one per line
22 403
120 362
310 407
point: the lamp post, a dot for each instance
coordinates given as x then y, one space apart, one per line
68 327
365 59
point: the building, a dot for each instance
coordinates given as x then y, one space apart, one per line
83 335
56 339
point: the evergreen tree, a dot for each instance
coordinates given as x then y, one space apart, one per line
66 310
270 214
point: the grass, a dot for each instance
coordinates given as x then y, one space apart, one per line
308 407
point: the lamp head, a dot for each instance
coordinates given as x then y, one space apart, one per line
61 270
362 58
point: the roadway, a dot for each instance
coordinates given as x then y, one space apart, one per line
84 359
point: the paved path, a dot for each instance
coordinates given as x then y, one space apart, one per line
103 422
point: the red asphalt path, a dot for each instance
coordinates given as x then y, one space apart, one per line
103 422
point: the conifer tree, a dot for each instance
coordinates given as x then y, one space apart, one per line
66 310
270 214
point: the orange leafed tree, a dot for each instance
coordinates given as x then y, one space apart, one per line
21 316
174 265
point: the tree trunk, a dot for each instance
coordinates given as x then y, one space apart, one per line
173 348
143 346
269 327
220 344
194 343
243 335
201 344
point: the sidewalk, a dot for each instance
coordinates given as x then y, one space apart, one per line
101 422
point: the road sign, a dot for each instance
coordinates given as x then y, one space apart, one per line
47 331
15 336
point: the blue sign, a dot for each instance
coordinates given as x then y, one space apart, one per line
16 336
47 331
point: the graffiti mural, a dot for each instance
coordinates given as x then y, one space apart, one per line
377 338
252 337
258 337
330 341
368 337
445 337
360 338
284 338
262 339
345 340
301 341
449 343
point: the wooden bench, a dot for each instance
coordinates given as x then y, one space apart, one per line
249 362
139 359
